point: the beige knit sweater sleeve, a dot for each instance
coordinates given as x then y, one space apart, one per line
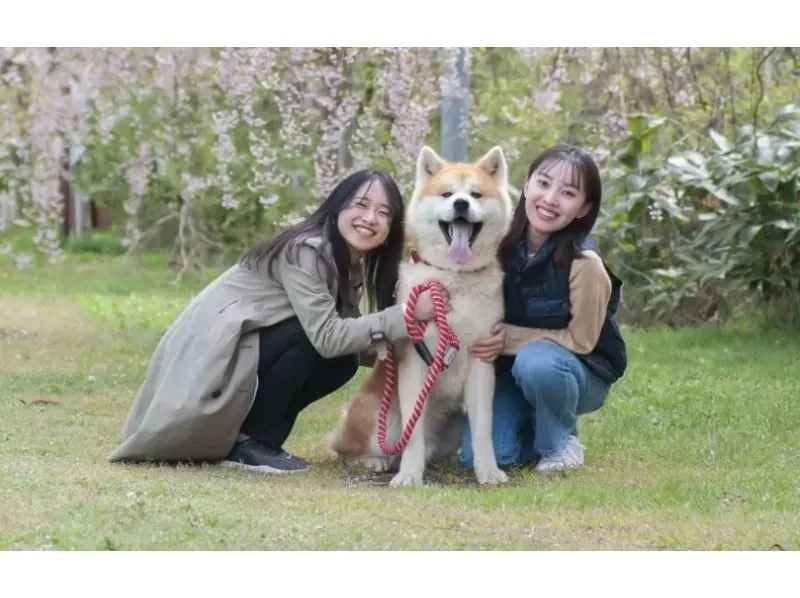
589 293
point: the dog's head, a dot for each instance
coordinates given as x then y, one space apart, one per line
459 212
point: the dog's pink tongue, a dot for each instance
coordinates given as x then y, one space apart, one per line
460 252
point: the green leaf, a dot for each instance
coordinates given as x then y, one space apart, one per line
766 151
629 158
646 144
721 194
668 272
684 166
722 143
782 224
751 233
669 206
642 127
770 180
636 125
697 158
638 182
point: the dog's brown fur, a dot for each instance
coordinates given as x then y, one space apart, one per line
354 439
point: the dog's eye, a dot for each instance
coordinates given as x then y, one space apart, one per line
476 195
446 194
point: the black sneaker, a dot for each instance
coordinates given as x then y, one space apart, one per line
256 456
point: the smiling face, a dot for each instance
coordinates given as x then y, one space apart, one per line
365 222
555 196
459 212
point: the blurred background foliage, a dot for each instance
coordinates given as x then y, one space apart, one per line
201 153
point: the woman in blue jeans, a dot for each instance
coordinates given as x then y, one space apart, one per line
559 349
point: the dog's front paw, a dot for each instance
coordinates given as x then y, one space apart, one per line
406 478
376 464
493 475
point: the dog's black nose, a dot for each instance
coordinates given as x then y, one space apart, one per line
461 206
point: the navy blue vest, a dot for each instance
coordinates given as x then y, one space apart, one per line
536 293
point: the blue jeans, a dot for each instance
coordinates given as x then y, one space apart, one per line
537 403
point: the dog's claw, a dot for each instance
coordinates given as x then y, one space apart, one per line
376 464
492 476
406 479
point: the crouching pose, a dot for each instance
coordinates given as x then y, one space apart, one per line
276 332
559 349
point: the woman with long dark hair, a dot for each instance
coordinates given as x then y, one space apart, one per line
279 330
559 350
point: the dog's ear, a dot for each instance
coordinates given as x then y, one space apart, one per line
494 163
428 164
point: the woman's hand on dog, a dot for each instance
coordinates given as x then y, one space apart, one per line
489 348
424 310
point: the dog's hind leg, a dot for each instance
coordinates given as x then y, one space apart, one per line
478 396
376 460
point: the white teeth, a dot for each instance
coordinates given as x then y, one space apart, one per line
450 230
364 231
546 213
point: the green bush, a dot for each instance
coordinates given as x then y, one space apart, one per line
700 236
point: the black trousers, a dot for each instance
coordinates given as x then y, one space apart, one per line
291 376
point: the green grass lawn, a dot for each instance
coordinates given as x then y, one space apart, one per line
697 447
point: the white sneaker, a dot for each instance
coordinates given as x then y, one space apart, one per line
570 457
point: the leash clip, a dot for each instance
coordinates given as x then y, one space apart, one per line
450 355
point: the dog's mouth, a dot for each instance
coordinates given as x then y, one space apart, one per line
462 228
460 235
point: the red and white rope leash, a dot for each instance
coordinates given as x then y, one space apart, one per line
445 353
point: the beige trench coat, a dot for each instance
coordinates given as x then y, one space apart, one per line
201 380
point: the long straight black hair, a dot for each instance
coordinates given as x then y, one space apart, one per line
380 265
585 175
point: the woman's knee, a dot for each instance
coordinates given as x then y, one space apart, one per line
286 337
542 363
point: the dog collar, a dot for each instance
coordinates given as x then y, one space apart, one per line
417 258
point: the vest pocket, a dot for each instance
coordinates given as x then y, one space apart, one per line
538 307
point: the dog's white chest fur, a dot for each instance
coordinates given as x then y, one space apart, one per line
476 300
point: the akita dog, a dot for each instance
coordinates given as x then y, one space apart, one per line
457 216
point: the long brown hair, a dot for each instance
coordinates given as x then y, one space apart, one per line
586 176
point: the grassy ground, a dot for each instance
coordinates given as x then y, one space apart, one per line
697 447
